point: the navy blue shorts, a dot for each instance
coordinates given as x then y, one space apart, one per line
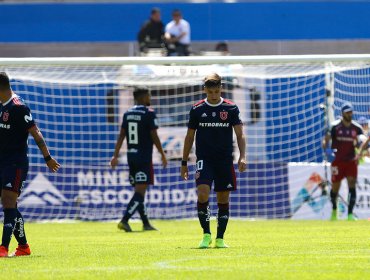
219 172
13 177
141 172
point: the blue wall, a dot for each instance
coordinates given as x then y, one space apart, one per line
214 21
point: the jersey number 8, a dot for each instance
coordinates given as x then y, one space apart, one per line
133 133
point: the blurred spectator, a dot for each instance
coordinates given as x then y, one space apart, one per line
177 35
364 122
151 34
223 48
365 155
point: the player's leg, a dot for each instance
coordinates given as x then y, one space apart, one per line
8 200
19 232
141 175
336 178
351 174
335 186
204 214
204 178
141 188
222 217
12 179
136 200
131 206
351 197
225 181
23 248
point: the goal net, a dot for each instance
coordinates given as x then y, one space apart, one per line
286 103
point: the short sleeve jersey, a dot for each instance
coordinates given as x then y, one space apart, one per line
176 30
15 121
138 123
214 129
344 139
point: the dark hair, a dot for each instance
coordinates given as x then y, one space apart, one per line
155 10
139 92
4 81
222 47
176 12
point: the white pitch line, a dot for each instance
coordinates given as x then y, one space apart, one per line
171 264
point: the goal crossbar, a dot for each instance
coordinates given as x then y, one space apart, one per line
191 60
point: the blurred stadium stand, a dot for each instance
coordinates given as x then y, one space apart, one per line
109 27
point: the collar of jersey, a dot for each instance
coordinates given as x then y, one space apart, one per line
214 105
10 99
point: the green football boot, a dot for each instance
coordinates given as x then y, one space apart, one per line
220 243
207 240
333 216
351 217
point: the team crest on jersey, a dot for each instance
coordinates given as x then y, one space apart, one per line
5 116
223 115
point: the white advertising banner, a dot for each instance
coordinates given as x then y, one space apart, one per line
310 200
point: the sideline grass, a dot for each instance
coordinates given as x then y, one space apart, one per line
258 250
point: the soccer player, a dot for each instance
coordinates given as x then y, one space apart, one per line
16 123
344 134
213 121
139 126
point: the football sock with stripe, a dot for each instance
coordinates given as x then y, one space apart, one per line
222 219
10 215
204 215
19 232
133 206
351 199
142 210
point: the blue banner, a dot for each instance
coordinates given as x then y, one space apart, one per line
98 193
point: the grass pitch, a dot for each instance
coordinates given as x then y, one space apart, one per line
258 250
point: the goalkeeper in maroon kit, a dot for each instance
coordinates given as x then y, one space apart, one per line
344 134
213 120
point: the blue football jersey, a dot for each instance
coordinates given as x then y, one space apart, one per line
15 121
214 128
138 123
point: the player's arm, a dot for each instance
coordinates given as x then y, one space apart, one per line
242 142
363 146
40 142
158 145
188 143
121 138
326 141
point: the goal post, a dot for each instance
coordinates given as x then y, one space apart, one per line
78 104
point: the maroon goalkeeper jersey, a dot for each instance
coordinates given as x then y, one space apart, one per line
344 139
